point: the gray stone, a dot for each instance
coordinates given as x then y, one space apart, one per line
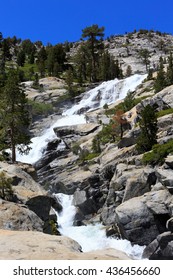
41 205
169 161
165 176
18 217
161 248
142 218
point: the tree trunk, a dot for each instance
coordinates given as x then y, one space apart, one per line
13 146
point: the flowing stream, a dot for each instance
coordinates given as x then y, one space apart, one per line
90 237
93 236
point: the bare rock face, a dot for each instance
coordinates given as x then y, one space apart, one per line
40 246
160 248
31 210
142 218
23 184
18 217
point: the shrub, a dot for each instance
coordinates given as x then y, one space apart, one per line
40 108
76 149
5 186
148 129
158 154
164 112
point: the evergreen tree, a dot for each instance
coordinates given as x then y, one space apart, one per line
28 47
21 58
144 54
160 81
81 62
169 74
6 191
108 68
69 81
14 116
105 62
6 50
42 56
148 126
50 61
94 44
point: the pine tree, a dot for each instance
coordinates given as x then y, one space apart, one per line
92 33
21 58
169 74
144 54
160 81
81 62
14 116
69 81
148 126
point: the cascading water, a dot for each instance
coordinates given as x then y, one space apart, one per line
91 237
106 93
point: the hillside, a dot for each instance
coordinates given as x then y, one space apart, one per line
127 190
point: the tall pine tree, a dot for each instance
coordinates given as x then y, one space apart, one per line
169 74
148 126
160 81
14 116
94 34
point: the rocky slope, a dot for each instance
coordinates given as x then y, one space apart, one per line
116 188
126 48
133 201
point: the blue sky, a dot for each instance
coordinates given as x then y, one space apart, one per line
57 21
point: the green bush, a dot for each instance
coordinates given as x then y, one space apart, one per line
40 108
90 156
165 112
158 153
5 186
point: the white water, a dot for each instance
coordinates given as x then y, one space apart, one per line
90 237
105 93
39 143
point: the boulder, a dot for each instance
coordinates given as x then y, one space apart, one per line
113 231
40 246
162 100
23 185
134 181
41 205
88 200
165 177
18 217
141 219
169 161
160 248
139 182
80 130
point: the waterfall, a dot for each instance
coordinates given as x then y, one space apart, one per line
90 237
106 93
